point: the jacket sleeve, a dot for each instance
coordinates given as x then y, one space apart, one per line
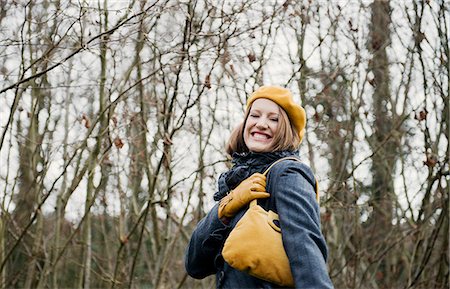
292 185
205 245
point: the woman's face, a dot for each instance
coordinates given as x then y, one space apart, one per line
261 125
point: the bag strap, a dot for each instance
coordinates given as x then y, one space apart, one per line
277 161
316 186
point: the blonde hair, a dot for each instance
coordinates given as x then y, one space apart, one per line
285 138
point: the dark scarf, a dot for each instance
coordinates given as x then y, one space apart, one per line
245 165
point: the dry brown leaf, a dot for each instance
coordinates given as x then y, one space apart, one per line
87 122
208 81
118 142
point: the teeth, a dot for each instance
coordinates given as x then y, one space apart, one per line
260 136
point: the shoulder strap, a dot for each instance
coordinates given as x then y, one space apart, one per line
316 186
277 161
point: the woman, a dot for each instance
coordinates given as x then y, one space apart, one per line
273 128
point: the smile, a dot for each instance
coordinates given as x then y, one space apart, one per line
260 136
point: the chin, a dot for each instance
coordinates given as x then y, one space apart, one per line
260 148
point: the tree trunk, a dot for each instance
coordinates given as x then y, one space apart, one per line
382 144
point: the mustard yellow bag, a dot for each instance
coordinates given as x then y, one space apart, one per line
255 246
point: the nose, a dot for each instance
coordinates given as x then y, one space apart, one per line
262 123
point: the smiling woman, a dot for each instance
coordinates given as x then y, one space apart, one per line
267 104
272 129
261 125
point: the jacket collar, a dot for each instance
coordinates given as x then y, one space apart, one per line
244 165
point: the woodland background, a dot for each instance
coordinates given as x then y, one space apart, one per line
114 117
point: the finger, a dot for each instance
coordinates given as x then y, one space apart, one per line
258 176
261 182
258 188
260 195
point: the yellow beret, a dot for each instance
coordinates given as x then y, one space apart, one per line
282 97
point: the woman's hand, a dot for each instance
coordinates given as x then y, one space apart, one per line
254 187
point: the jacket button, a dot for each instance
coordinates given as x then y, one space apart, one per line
221 275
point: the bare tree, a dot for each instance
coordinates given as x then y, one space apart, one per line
114 117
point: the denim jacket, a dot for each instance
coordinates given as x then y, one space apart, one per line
291 185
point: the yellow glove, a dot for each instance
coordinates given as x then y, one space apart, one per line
254 187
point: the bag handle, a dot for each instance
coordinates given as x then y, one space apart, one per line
316 187
277 161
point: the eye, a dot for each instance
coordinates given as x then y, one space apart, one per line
274 119
254 115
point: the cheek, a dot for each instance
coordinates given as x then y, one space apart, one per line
246 132
248 125
274 127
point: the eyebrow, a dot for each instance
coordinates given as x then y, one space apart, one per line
270 113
